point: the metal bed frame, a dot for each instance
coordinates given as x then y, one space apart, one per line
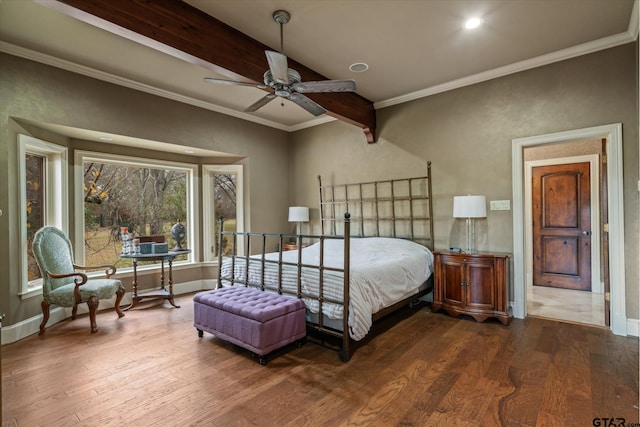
398 208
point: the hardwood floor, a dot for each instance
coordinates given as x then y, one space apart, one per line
421 369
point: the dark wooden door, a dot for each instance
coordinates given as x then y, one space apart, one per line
561 211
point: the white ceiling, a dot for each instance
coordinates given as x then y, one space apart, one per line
413 48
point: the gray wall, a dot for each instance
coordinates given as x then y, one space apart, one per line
467 134
38 93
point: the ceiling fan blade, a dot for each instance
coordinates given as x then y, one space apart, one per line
307 104
278 66
260 103
325 86
233 83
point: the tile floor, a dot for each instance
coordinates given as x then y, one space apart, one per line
566 305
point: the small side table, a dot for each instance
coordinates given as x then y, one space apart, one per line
162 292
291 246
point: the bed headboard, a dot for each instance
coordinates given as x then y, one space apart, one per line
400 208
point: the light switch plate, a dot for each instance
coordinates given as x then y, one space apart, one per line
500 205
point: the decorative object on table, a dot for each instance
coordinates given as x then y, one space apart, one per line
159 248
298 214
470 207
178 233
145 247
136 246
126 241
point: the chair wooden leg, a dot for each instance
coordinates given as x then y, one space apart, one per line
74 311
93 307
119 295
45 316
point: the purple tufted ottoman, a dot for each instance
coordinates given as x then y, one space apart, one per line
258 321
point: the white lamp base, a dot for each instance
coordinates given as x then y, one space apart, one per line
470 237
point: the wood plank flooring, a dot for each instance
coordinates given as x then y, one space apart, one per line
418 369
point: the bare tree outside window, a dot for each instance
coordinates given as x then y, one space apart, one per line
35 186
147 200
225 201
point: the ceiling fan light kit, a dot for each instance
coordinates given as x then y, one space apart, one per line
284 82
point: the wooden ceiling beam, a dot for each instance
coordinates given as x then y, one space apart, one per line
181 30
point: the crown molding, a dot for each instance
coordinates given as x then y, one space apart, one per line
53 61
21 52
586 48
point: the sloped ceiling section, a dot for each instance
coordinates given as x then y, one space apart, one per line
179 29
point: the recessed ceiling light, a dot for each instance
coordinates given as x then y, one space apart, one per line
106 138
359 67
189 151
473 23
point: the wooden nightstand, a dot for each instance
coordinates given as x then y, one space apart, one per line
472 284
291 247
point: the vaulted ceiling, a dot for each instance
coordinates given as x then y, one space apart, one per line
413 48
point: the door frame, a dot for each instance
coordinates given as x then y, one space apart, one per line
613 135
597 286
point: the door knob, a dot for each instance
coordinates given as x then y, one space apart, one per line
586 233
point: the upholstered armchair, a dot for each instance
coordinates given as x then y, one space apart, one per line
62 285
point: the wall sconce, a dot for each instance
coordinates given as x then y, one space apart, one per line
470 207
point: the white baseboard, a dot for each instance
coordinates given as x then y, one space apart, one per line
31 326
633 326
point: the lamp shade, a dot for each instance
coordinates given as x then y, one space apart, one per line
469 206
298 214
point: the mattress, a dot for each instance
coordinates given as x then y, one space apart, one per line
382 270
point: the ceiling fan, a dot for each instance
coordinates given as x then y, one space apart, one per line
286 82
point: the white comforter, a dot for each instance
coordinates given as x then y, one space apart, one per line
382 272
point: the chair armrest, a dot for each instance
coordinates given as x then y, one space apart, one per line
110 269
79 281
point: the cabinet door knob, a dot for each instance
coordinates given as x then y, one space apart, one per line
462 283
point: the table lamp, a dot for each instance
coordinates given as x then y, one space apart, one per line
470 207
298 214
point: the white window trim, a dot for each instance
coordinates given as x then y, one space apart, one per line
56 199
208 227
193 207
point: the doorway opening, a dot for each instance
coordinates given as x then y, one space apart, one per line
613 136
572 229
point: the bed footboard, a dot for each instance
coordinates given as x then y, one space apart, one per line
262 267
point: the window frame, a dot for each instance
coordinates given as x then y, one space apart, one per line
208 235
193 208
56 177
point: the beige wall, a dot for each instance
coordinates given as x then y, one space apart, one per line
38 93
567 149
467 134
